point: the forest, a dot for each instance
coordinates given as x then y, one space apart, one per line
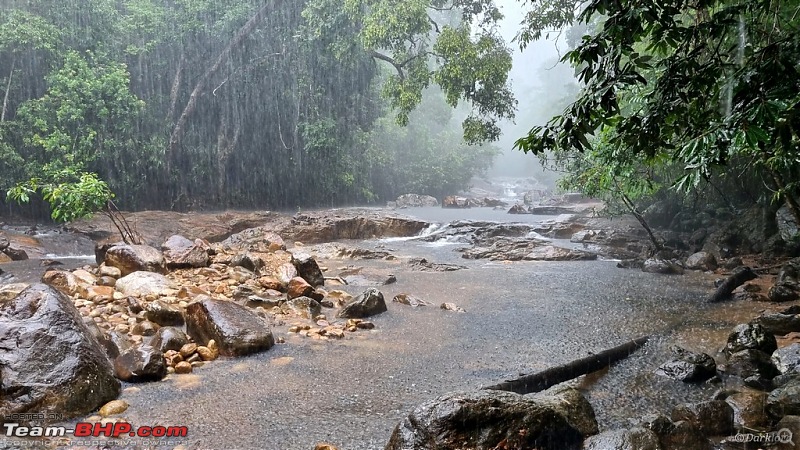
195 104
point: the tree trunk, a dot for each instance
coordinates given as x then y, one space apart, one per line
176 86
632 208
565 372
225 147
202 84
8 89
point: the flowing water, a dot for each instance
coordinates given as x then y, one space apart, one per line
521 317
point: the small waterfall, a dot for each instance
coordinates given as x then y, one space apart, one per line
740 48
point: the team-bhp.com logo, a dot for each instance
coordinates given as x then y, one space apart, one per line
85 429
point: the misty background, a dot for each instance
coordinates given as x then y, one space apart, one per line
542 85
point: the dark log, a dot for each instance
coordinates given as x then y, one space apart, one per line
738 278
542 380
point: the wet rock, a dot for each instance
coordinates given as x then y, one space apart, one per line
489 419
750 336
423 265
308 269
109 271
784 400
259 238
662 266
115 343
286 272
712 418
787 359
553 253
630 439
236 330
452 201
4 242
163 314
107 281
339 298
415 201
140 364
787 226
16 254
363 277
779 323
452 307
113 408
748 409
43 337
299 287
140 284
684 436
368 303
169 338
701 261
180 252
188 350
751 363
247 261
688 367
183 367
270 282
132 258
145 328
784 292
410 300
207 354
305 307
518 209
65 282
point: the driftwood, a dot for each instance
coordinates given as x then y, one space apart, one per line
738 278
542 380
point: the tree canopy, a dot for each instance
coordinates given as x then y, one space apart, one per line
192 104
709 87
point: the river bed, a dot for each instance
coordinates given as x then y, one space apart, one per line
521 317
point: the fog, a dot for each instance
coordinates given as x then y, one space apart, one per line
542 85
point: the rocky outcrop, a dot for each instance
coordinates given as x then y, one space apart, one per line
526 249
132 258
314 228
49 360
369 303
497 419
236 329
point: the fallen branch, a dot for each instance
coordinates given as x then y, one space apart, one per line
565 372
738 278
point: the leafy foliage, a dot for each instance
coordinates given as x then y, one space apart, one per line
704 84
73 196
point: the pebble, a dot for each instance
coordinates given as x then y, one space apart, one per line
183 367
206 354
188 349
113 407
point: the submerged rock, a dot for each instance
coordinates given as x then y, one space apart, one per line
51 362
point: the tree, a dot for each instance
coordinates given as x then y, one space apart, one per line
717 85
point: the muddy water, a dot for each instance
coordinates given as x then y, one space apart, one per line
521 317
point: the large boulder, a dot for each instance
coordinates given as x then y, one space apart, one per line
368 303
236 329
138 284
712 418
496 419
181 252
49 360
132 258
779 323
748 409
787 226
